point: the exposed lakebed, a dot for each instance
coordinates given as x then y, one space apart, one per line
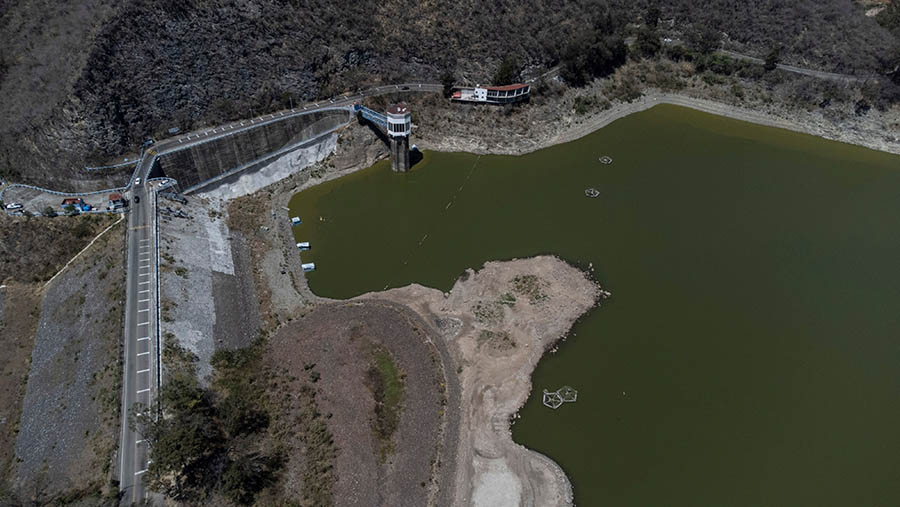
750 352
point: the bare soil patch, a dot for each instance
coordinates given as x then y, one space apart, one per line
333 351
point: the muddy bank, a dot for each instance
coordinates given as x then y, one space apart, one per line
497 323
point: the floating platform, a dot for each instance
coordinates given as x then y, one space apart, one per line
591 192
606 159
303 245
309 266
555 399
295 221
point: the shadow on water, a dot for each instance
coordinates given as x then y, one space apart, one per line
415 156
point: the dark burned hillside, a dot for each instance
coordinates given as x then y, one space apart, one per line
86 82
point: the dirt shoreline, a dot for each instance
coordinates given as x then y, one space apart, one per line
859 133
498 322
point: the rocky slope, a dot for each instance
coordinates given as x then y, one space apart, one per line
86 82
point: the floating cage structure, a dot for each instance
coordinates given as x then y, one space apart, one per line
555 399
591 192
606 159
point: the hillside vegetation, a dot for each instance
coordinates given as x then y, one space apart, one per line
86 82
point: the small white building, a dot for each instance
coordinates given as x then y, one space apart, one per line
303 245
309 266
295 221
492 94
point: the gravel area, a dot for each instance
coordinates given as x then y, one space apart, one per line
19 306
35 201
336 339
237 323
206 285
70 415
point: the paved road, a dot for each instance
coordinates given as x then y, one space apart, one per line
140 379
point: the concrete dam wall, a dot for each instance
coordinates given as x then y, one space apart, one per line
196 166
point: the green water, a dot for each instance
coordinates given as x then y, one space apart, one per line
750 355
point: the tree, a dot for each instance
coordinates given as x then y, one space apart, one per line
704 40
647 43
185 437
49 211
772 58
592 55
248 475
653 15
447 80
890 64
508 71
889 17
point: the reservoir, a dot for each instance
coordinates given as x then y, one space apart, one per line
750 353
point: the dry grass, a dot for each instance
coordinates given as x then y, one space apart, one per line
33 249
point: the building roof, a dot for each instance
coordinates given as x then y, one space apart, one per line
507 87
398 109
71 200
115 197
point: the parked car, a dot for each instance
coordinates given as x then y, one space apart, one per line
137 181
13 205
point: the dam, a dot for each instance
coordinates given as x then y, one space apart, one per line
205 164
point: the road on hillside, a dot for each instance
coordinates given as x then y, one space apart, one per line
820 74
141 376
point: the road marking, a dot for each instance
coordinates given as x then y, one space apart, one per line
144 371
143 391
143 291
144 338
143 353
242 124
139 472
138 441
144 323
143 274
144 283
143 300
147 310
144 239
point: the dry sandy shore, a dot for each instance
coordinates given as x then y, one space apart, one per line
869 134
498 322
